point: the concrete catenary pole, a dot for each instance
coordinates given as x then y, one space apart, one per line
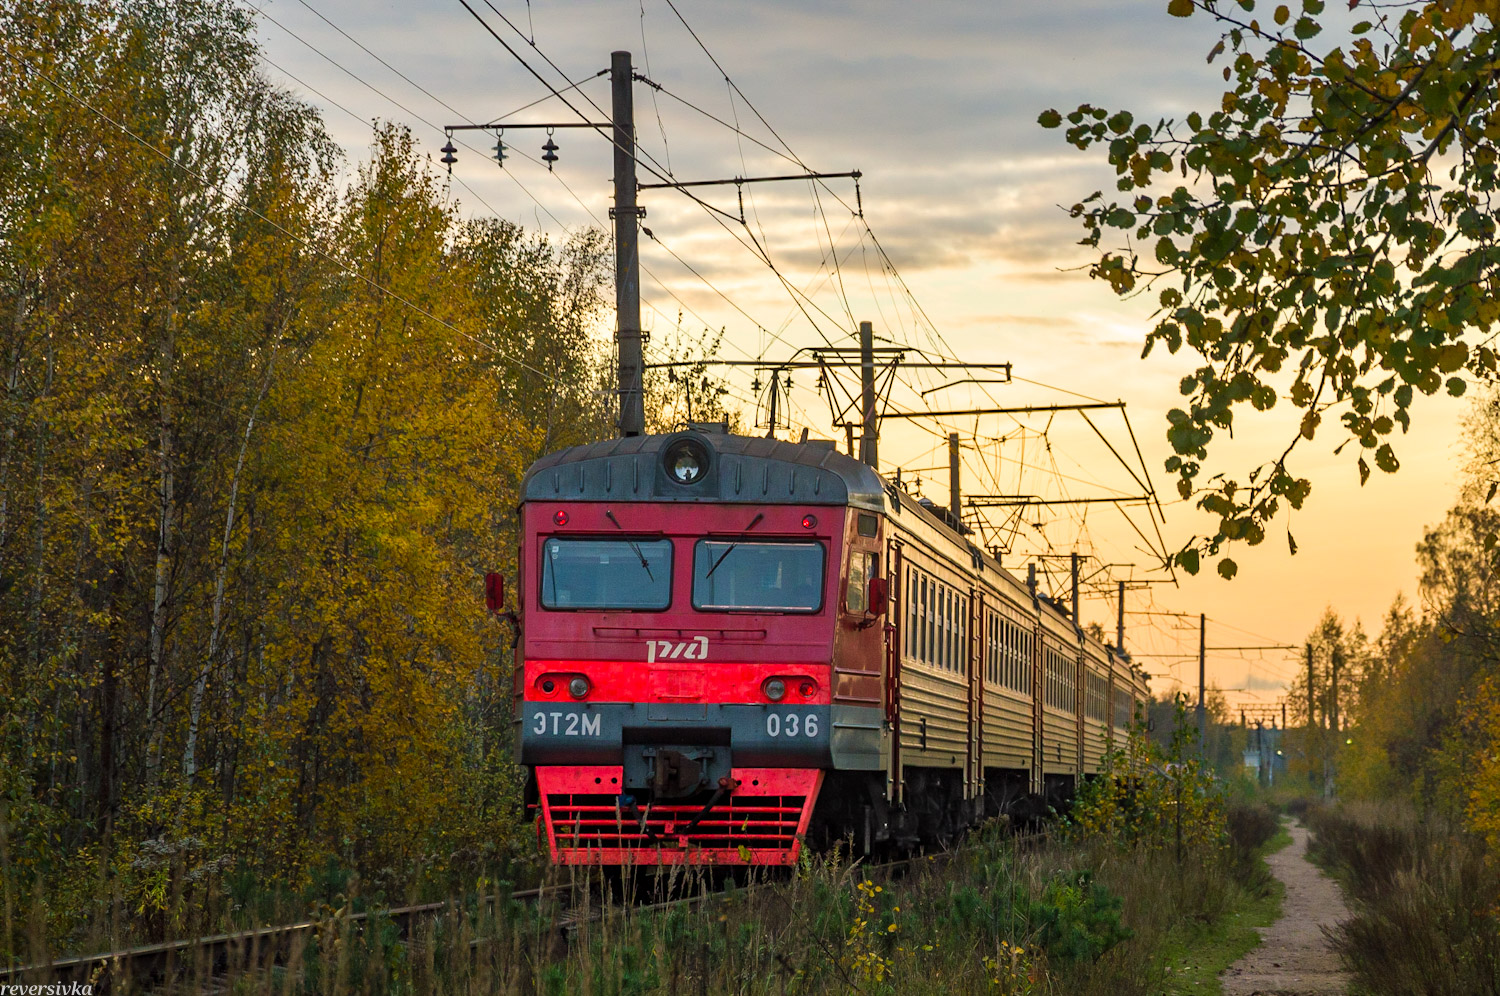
955 494
1073 564
1202 713
627 251
1310 700
870 438
1120 619
1337 659
1311 714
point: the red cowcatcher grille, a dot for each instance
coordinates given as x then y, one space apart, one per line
761 823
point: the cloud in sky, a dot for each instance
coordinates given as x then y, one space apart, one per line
936 103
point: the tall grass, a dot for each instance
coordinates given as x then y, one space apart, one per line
1076 913
1425 901
1002 914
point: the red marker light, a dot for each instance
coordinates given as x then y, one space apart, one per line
560 517
809 520
807 688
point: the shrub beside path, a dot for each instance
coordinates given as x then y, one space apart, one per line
1294 958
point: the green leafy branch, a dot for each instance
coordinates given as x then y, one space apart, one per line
1302 242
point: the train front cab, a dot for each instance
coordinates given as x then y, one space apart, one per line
677 700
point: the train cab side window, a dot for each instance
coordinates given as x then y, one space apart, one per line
855 591
863 567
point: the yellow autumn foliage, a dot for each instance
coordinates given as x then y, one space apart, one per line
261 430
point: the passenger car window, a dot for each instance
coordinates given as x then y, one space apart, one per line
769 577
606 574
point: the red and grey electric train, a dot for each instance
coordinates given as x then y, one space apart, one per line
730 645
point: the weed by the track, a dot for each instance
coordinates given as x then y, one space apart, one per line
1426 902
999 915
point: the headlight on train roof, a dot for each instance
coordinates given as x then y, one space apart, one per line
686 461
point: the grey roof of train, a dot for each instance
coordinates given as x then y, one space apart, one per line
751 469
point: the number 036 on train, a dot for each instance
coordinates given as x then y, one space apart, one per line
732 647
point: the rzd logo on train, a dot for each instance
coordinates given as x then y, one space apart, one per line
695 649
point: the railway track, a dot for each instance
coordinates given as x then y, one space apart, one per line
216 952
583 903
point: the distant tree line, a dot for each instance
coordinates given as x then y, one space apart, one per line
1416 713
1428 716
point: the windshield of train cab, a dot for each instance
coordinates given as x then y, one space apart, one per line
746 576
629 574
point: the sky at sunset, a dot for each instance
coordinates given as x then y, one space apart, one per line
936 104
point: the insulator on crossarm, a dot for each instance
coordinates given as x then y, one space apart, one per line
448 154
500 150
549 151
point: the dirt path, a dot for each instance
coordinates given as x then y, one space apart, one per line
1294 959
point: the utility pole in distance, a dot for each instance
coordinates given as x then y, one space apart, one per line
1334 688
1120 621
1331 772
626 217
1310 715
1202 713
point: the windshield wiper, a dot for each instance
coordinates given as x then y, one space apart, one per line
610 515
638 553
730 549
727 551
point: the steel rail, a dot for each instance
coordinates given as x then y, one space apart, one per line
144 959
